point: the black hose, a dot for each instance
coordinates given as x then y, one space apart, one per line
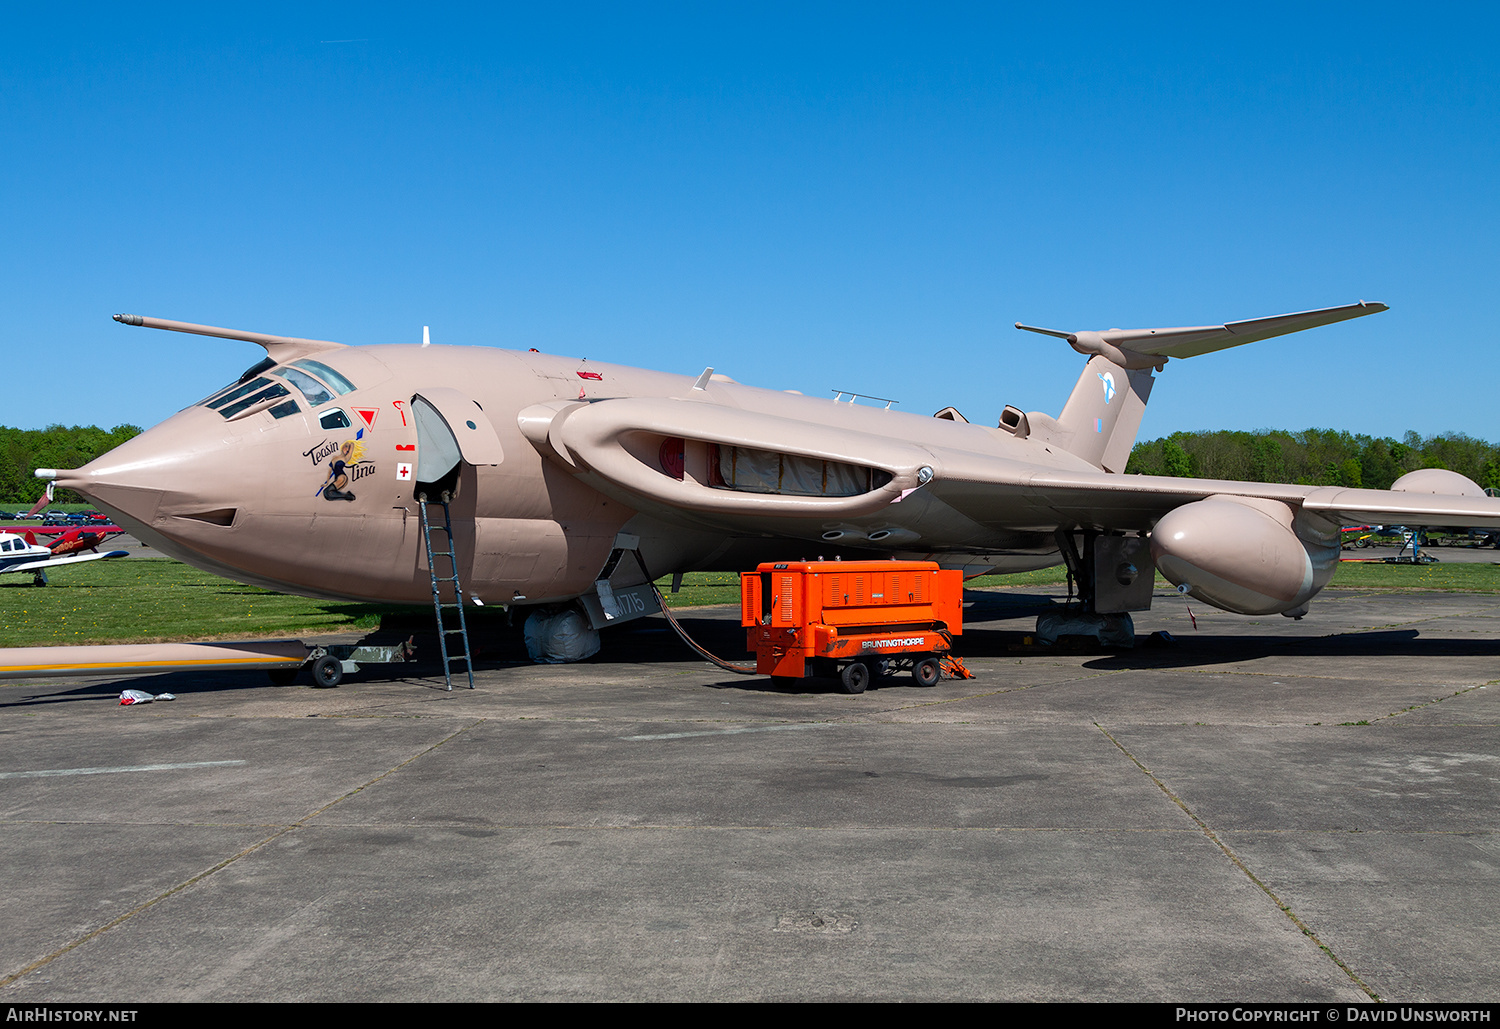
740 669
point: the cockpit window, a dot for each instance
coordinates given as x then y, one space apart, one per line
311 388
216 402
335 381
334 419
272 391
240 396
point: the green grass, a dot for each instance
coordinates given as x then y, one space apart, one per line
135 601
700 588
1446 577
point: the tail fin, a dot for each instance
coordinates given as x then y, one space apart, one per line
1104 411
1102 416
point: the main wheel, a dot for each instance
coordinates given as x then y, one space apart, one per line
327 671
855 677
927 672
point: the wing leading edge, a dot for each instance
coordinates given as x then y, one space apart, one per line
968 468
1088 498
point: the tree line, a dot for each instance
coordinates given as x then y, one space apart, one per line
1315 457
57 446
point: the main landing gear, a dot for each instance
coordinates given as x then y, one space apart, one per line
1113 576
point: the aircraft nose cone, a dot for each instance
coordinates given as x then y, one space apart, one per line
182 470
130 503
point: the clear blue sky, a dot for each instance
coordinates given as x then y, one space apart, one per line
863 196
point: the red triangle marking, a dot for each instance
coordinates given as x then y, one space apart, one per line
368 414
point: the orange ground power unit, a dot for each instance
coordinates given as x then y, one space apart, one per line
852 619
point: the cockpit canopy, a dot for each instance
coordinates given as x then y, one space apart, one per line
262 386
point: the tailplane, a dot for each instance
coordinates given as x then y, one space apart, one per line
1103 414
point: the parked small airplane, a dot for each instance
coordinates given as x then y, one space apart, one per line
304 475
19 551
76 540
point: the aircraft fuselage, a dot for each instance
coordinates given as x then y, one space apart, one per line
319 498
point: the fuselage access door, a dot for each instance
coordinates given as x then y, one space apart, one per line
451 429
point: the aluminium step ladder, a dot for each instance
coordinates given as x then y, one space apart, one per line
438 606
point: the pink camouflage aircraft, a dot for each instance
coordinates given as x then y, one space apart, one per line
307 475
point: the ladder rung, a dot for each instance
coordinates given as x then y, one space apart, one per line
428 528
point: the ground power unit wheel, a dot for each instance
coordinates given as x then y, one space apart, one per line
927 671
855 677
